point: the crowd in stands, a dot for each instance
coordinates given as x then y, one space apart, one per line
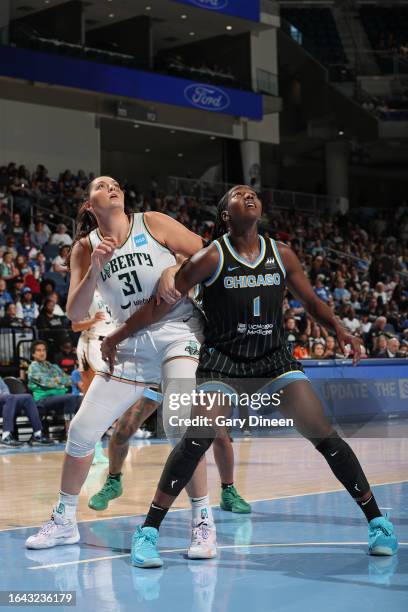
211 73
358 266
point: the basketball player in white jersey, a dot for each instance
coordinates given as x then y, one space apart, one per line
124 257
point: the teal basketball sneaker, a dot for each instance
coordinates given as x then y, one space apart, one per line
144 552
381 537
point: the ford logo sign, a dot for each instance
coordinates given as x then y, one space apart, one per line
207 97
214 5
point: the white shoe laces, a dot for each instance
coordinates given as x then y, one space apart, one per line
47 527
200 533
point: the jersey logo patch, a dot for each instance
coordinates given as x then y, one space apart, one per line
270 263
140 240
192 348
241 328
107 270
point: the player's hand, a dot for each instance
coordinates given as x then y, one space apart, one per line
108 350
166 290
99 316
103 252
344 339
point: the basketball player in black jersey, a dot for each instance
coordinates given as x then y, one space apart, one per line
243 277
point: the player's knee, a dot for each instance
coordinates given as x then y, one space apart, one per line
184 459
197 441
334 449
122 434
80 443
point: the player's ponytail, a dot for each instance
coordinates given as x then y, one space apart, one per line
85 223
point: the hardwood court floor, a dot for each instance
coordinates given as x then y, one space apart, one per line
265 469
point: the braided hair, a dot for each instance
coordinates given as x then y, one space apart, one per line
220 227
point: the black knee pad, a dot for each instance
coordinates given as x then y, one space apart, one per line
344 464
184 458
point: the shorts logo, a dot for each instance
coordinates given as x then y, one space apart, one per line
270 263
241 328
192 348
107 270
140 240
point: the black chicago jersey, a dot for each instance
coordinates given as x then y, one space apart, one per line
243 303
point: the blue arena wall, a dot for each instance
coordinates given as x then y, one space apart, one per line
374 389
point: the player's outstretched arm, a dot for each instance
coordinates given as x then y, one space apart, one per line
193 271
300 286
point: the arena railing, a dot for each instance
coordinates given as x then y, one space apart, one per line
51 217
15 346
210 191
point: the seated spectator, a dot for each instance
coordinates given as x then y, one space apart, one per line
320 290
381 293
67 357
17 228
380 347
38 265
55 297
26 248
330 351
291 330
22 265
350 320
393 346
11 319
40 235
5 297
301 350
60 237
77 382
365 324
17 288
59 264
47 319
49 384
340 292
8 270
27 309
10 406
317 351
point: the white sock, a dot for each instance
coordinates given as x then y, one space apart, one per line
201 509
67 505
4 435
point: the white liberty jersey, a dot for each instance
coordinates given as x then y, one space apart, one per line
131 277
104 327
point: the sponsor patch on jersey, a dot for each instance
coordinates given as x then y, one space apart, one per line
107 270
140 240
270 263
262 329
192 348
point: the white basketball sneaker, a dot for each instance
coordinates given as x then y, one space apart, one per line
56 532
203 541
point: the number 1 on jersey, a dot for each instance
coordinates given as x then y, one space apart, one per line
257 306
